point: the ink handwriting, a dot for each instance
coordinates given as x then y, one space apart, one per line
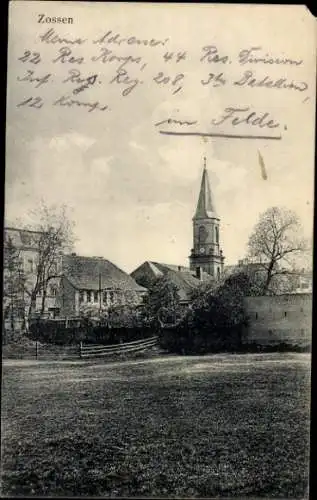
131 66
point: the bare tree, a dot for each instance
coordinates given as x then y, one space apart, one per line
13 283
54 237
276 239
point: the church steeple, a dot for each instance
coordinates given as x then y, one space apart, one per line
205 206
206 253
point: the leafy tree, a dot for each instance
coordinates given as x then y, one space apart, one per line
216 317
275 240
123 311
162 304
124 316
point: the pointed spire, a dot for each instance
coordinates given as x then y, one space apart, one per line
205 206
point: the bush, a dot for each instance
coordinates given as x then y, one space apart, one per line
85 330
107 336
56 331
214 322
188 341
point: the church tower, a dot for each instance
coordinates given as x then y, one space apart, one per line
206 254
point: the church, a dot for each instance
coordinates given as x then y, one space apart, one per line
206 253
206 260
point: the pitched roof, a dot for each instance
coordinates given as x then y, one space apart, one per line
205 206
183 277
171 267
187 274
85 272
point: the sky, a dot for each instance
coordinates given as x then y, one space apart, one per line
132 191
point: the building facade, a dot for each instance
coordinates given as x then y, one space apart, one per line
26 245
77 283
95 284
206 253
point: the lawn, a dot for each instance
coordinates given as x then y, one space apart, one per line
222 425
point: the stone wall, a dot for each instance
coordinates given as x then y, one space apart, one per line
279 319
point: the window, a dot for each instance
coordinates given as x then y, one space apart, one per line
95 296
30 265
54 312
218 272
217 234
105 296
89 296
111 296
53 290
256 315
81 296
285 314
202 234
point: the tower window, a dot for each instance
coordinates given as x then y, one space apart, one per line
217 234
202 234
53 290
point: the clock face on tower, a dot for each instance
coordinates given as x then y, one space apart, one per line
202 250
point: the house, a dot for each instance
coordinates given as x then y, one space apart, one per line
95 283
289 281
26 244
76 281
303 282
183 277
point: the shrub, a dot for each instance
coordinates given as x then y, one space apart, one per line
56 331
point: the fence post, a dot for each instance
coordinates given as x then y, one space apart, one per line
36 349
80 349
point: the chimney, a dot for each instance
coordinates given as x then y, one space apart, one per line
179 268
73 254
199 273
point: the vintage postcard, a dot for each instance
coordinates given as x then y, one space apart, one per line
157 283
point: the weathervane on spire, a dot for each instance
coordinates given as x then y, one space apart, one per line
204 162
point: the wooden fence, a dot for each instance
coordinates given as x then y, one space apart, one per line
57 352
95 350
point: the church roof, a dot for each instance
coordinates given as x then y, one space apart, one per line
205 206
84 272
184 278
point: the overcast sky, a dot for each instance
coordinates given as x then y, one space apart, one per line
132 191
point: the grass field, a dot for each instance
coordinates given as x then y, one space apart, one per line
223 425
